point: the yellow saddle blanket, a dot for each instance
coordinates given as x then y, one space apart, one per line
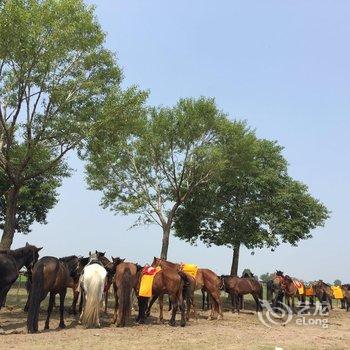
299 286
309 292
190 269
337 292
146 283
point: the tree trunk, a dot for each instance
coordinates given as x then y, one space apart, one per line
165 242
10 218
235 260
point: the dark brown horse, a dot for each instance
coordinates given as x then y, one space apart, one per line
346 292
238 286
166 281
11 261
50 275
125 279
205 279
323 292
110 267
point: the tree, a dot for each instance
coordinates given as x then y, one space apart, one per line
252 202
35 199
337 282
55 78
265 277
153 172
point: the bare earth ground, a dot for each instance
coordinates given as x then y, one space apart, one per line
242 331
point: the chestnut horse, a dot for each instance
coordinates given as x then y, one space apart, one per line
346 292
205 279
50 275
238 286
125 279
166 281
290 290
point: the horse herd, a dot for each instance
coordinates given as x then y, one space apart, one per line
91 278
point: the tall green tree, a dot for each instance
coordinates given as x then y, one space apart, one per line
252 201
160 166
55 78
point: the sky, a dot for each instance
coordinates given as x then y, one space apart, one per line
283 66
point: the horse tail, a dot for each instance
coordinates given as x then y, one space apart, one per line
125 298
94 290
186 287
35 298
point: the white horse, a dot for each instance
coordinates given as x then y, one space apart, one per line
92 283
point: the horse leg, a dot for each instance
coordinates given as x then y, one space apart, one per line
203 299
142 309
148 311
116 304
174 302
62 297
108 286
238 302
49 310
233 302
73 308
160 301
256 299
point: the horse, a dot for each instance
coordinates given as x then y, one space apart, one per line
290 290
205 279
52 275
125 279
11 261
110 268
346 300
166 281
76 290
92 282
274 292
238 286
323 292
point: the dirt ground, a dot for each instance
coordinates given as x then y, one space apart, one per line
243 331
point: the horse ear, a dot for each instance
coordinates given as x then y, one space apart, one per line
89 253
122 259
38 249
104 253
27 244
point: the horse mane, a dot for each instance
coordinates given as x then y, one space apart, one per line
72 262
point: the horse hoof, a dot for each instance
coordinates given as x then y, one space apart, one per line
220 317
46 327
183 324
62 326
172 324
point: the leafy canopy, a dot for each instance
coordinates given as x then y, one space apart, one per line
168 155
252 200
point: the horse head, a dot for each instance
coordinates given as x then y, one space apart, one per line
31 254
156 262
117 261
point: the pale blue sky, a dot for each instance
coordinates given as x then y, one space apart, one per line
281 65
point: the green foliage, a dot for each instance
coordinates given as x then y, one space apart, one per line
56 79
252 201
337 282
169 153
265 277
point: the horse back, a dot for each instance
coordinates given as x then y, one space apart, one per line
120 270
207 278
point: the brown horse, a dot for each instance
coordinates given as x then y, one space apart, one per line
238 286
125 279
323 292
166 281
205 279
50 275
346 292
290 289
